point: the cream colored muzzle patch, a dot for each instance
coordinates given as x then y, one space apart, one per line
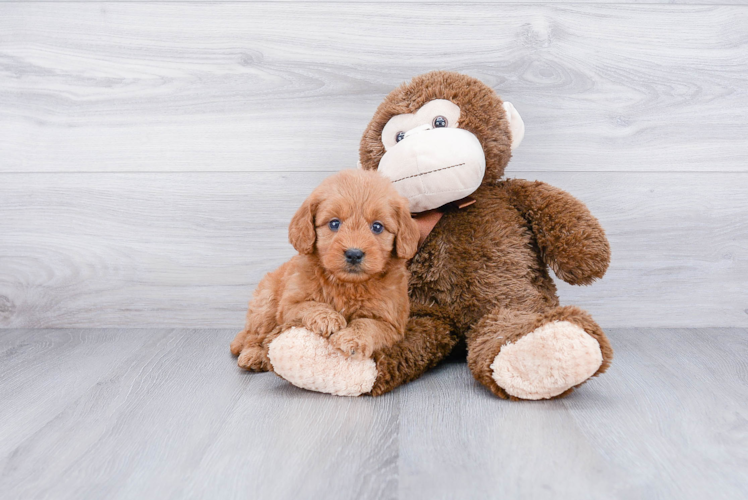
432 167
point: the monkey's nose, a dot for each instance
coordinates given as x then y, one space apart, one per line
354 255
418 130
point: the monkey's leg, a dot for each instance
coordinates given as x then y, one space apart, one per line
525 355
309 361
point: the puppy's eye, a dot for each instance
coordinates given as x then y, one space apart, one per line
440 122
334 224
400 136
377 227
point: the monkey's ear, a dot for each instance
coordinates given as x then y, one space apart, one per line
406 240
516 125
301 232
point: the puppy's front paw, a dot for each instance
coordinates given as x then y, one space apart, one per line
353 343
324 322
255 359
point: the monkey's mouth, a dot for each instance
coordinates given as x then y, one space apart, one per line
429 172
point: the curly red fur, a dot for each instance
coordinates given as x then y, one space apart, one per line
360 308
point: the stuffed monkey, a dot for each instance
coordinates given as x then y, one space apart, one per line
481 273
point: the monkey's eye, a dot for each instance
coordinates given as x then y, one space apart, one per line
440 122
377 227
334 224
400 136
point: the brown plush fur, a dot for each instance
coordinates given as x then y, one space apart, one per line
482 273
360 308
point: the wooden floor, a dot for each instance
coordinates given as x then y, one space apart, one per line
166 414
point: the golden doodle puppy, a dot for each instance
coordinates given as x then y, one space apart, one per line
349 282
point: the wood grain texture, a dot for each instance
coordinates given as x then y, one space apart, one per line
276 86
32 361
171 416
428 2
688 386
656 425
178 419
186 250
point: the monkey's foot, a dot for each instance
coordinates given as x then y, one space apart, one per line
547 362
307 360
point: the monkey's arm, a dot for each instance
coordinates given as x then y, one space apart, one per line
570 238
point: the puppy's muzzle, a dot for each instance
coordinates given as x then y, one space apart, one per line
354 256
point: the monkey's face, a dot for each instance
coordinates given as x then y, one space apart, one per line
429 159
454 134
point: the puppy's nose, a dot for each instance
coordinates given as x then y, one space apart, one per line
354 255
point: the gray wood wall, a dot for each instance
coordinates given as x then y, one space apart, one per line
151 154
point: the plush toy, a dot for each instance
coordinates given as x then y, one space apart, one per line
481 273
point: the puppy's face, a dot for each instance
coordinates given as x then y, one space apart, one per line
356 223
355 241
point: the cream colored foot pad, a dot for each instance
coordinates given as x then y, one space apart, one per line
547 361
308 361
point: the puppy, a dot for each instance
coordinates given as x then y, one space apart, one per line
349 282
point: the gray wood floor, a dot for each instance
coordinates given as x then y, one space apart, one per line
166 414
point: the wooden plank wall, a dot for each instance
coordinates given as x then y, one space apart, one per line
151 154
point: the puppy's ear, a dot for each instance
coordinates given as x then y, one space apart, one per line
301 231
406 241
